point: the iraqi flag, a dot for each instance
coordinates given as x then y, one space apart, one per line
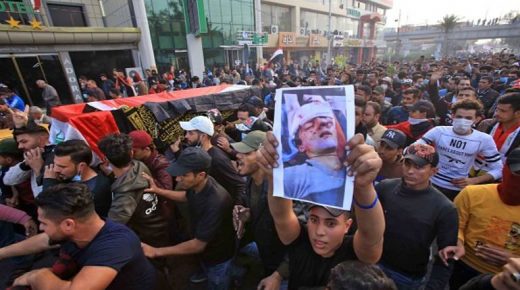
276 57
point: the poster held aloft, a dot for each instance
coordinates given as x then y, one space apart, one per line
313 125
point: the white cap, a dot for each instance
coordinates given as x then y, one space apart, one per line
308 112
200 123
387 79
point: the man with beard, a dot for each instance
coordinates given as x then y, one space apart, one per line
72 160
371 119
399 114
33 140
95 254
199 131
254 215
314 132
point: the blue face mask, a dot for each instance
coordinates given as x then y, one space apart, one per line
504 79
76 178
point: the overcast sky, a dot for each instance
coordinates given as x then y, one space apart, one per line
422 12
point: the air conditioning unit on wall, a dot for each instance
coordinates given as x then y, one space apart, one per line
274 29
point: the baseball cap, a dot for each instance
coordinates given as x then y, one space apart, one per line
255 102
394 138
379 90
140 139
200 123
424 106
421 154
191 159
387 79
407 82
251 142
513 160
310 111
335 212
9 146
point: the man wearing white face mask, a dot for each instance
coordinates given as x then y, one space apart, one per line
458 147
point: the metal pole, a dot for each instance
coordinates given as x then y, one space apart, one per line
258 29
398 44
329 33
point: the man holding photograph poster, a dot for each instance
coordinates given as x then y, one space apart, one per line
314 249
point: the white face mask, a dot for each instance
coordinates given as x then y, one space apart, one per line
414 121
462 126
385 87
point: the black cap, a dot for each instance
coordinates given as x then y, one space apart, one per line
335 212
394 138
191 159
513 160
424 106
255 101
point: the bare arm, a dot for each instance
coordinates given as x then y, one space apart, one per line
89 278
365 164
33 245
174 195
193 246
286 222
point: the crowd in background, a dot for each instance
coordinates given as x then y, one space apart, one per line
436 199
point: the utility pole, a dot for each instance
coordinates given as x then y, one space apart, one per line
398 42
258 29
329 34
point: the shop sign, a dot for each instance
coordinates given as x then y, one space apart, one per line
353 42
337 41
70 74
353 12
18 7
287 39
316 40
302 41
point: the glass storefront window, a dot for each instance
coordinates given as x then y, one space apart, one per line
93 63
167 30
276 15
21 72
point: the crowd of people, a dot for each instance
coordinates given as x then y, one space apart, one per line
436 200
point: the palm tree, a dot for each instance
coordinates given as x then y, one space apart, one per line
447 24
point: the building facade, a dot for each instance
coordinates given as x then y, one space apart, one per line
301 27
224 19
59 40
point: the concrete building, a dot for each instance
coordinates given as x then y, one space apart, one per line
59 40
225 18
301 28
298 26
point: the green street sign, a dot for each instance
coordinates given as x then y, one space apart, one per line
195 17
15 7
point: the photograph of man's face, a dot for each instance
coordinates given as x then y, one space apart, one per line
313 137
318 136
